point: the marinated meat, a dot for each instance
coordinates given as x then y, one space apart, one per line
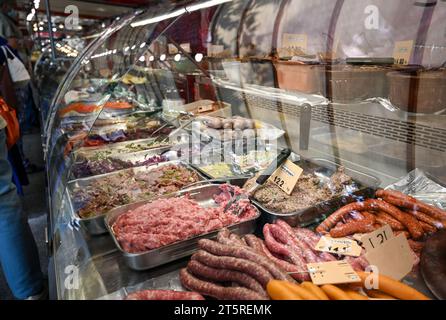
165 221
125 187
88 168
308 191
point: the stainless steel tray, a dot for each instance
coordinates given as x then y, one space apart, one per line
115 149
138 156
366 184
95 225
156 257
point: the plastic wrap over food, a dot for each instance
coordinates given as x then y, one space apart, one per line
419 185
168 281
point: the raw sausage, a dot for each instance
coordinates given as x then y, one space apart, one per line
384 218
221 275
213 290
422 217
273 232
242 252
412 225
301 247
258 272
337 216
403 200
298 273
361 226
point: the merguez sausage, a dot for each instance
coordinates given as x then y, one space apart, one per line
412 225
337 216
361 226
426 219
221 275
403 200
427 227
384 218
213 290
243 253
256 271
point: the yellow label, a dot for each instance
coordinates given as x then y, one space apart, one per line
292 43
403 52
333 272
286 176
344 246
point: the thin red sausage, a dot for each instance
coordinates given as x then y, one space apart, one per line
403 200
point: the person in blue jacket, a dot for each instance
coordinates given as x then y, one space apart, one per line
19 257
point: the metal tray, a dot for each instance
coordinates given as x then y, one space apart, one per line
132 157
367 186
95 225
86 152
156 257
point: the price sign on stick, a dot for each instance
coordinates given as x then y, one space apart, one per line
342 246
393 258
376 238
403 52
286 176
333 272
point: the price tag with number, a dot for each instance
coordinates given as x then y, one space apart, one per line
373 240
403 52
286 176
393 257
344 246
333 272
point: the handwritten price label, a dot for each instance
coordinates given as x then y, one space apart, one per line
342 246
286 176
403 52
373 240
333 272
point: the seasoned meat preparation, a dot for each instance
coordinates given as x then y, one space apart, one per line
124 187
308 191
168 220
88 168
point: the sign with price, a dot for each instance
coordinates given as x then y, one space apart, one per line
344 246
333 272
286 176
403 52
376 238
393 257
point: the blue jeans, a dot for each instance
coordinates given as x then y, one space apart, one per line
19 257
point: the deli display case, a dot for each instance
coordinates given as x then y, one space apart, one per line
162 125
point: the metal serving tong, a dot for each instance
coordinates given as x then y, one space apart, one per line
260 181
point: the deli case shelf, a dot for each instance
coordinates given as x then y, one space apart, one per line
233 92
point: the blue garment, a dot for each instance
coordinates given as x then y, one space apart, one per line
18 251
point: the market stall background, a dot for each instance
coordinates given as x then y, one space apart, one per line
280 63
